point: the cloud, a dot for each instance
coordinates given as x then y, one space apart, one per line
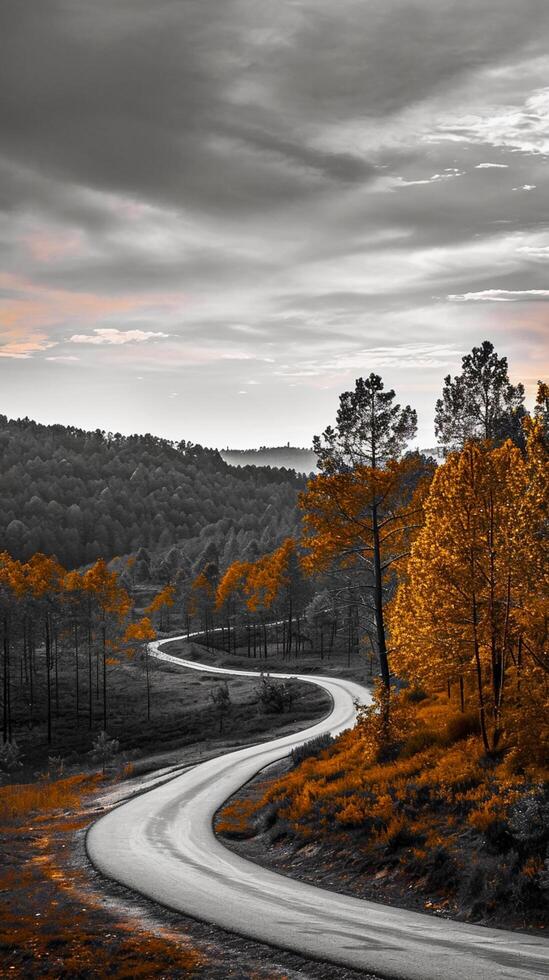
399 356
69 358
491 166
521 128
17 345
110 335
499 296
46 247
392 183
540 252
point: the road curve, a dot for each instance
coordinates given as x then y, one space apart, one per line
162 845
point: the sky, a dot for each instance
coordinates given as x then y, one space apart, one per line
216 214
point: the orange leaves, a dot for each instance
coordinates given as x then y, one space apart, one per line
233 582
164 599
261 582
43 575
236 819
339 512
269 576
141 631
475 600
102 585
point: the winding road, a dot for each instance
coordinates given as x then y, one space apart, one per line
162 845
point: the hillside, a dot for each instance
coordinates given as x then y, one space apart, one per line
285 457
83 495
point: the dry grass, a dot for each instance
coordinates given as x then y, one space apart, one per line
466 829
51 924
23 801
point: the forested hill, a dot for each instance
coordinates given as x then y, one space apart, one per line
83 495
291 457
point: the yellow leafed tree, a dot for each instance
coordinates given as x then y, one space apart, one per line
474 600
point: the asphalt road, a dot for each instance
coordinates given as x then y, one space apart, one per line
162 845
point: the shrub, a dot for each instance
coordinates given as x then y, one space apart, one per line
10 757
400 834
235 819
104 749
274 696
416 694
497 836
423 739
462 725
528 821
311 748
442 871
221 700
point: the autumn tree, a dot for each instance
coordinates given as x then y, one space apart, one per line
111 605
161 604
541 410
480 402
44 576
137 636
474 602
231 597
275 584
74 595
354 509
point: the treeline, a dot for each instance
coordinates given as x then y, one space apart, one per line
88 495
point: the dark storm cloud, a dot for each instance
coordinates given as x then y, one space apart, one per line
166 101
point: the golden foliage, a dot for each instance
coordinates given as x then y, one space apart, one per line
474 602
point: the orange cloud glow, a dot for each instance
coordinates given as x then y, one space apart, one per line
30 308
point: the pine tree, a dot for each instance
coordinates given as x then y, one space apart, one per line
480 402
351 506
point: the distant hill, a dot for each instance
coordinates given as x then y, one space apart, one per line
280 457
84 495
290 457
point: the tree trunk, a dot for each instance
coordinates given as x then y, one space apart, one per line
77 678
90 681
378 604
104 644
6 721
56 654
290 629
48 675
148 682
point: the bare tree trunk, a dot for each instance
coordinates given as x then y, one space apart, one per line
6 720
48 675
104 645
378 604
90 680
148 682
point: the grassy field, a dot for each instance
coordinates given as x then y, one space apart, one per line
182 713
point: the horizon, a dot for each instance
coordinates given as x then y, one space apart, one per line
216 217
